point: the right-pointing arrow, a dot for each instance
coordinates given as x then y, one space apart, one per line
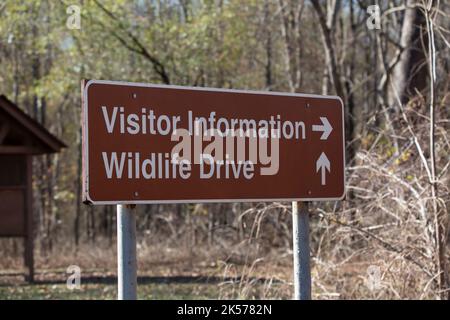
323 164
325 128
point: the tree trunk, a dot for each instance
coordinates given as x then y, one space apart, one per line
410 73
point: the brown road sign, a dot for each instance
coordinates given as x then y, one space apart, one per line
147 143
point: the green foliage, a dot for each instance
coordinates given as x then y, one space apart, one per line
207 43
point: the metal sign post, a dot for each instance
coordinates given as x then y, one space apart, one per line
126 252
302 269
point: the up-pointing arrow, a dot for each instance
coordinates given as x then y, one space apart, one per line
323 164
325 128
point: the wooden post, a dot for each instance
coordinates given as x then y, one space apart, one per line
29 235
300 236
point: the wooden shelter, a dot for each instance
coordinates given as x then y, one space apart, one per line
21 137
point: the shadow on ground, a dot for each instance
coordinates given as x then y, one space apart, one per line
141 279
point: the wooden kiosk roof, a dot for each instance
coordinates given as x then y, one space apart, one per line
21 134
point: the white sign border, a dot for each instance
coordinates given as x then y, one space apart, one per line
85 143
